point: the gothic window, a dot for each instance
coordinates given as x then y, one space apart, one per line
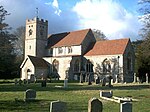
30 32
89 66
69 50
55 66
106 66
60 50
77 66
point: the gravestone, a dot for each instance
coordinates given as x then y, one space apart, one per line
95 105
107 94
135 78
104 81
138 79
43 83
126 107
97 80
58 106
146 77
116 79
109 83
65 83
112 81
32 78
30 94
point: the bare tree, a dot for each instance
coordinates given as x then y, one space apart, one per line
99 35
19 43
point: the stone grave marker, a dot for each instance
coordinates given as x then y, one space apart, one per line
147 78
109 83
116 79
104 81
95 105
65 83
126 107
135 78
97 80
107 94
30 94
58 106
43 83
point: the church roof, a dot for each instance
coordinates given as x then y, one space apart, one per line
67 39
38 62
109 47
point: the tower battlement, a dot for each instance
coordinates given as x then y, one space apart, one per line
37 20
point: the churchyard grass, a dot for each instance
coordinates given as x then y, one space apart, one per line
76 96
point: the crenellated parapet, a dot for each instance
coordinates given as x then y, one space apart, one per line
37 20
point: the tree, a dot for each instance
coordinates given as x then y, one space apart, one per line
145 17
99 35
7 56
143 50
19 42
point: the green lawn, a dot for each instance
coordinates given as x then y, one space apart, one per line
76 95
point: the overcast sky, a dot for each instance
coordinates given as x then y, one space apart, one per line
115 18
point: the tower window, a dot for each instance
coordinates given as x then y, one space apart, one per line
30 47
30 32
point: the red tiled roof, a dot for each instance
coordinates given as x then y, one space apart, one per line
108 47
67 39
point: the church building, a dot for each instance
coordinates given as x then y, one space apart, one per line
75 55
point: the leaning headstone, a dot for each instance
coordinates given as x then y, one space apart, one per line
126 107
58 106
43 83
107 94
146 77
30 94
65 83
95 105
104 81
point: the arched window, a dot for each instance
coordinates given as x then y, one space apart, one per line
77 66
55 66
89 66
106 66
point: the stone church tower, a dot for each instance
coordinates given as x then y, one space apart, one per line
36 37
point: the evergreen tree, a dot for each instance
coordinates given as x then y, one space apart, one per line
7 56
